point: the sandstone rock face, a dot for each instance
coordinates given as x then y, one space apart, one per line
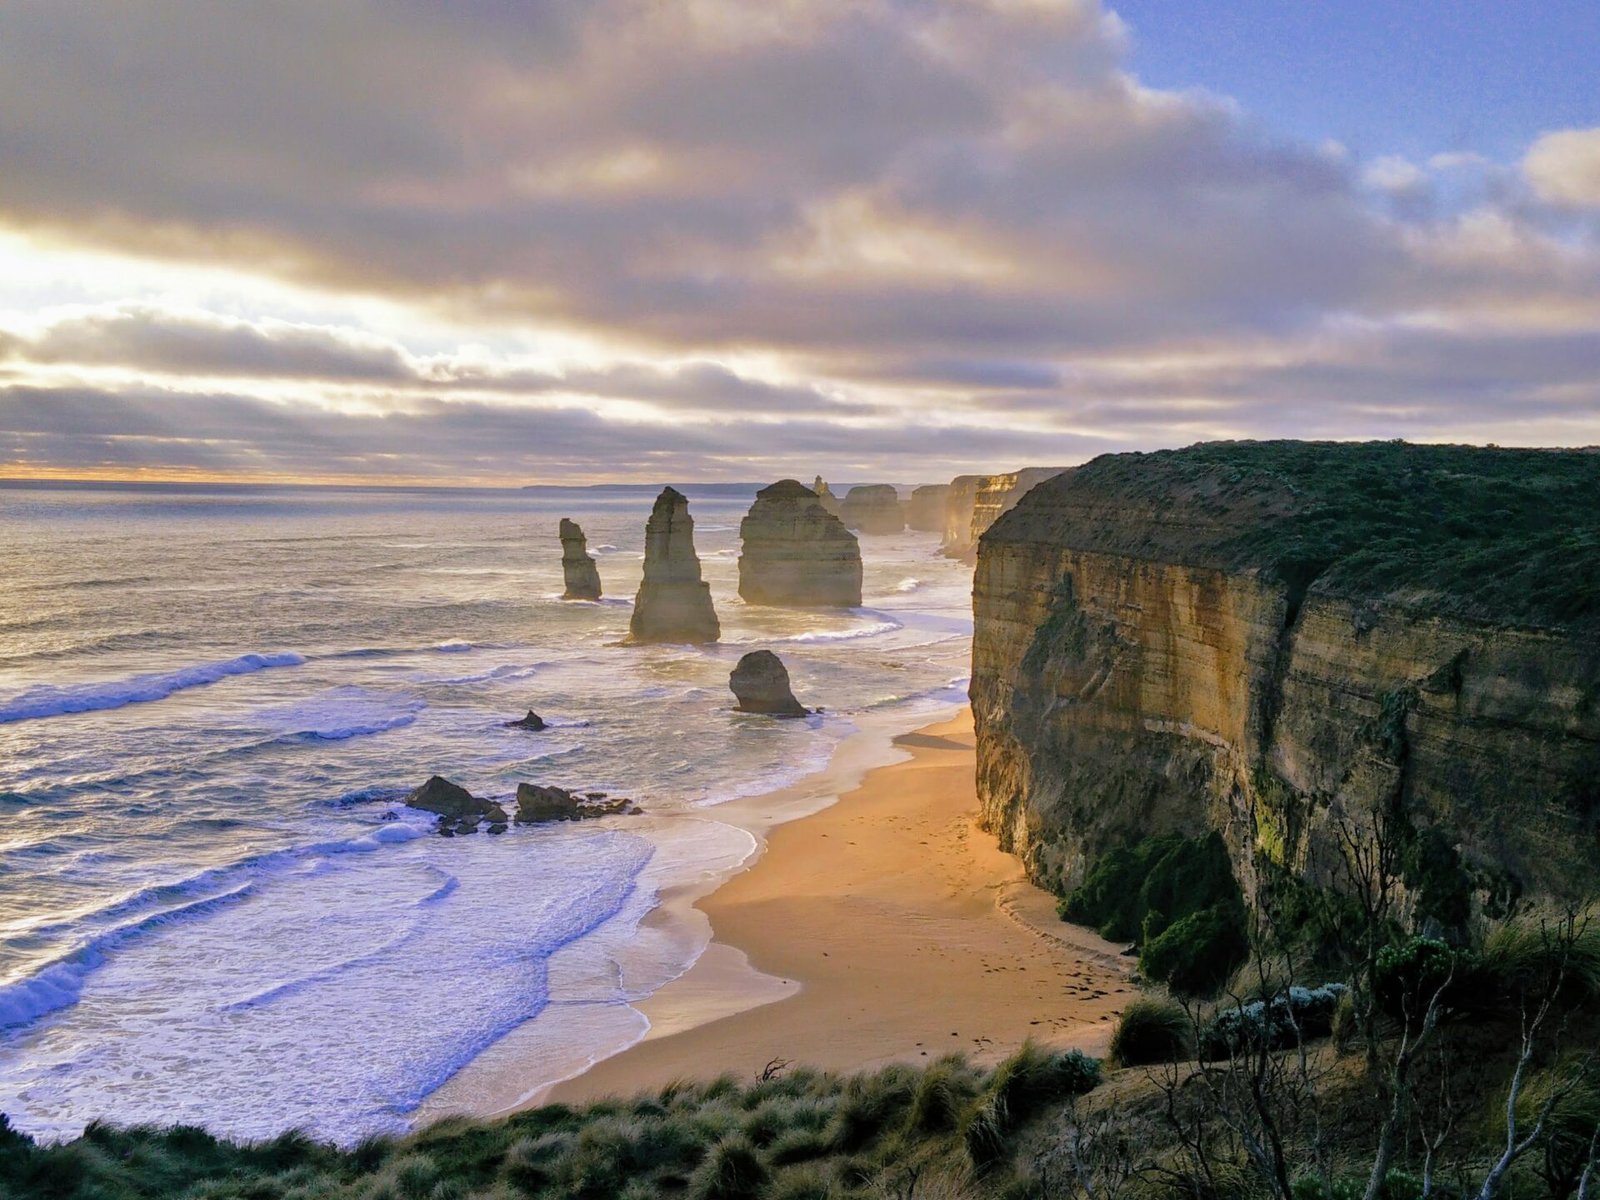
459 810
1138 668
537 804
873 508
975 502
825 494
674 603
797 554
577 566
760 683
926 510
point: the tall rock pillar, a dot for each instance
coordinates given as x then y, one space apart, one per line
674 603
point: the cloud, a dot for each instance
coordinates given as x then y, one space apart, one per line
1564 167
862 229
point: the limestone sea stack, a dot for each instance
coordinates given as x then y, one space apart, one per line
760 683
796 553
925 513
577 565
825 494
873 508
674 603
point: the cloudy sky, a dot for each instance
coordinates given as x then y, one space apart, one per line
511 241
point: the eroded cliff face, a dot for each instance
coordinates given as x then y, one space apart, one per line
1131 675
974 502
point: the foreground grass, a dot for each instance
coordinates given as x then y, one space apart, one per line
804 1134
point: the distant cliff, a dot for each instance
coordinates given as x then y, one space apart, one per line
1270 640
975 502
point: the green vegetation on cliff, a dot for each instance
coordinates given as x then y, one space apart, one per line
1177 898
1504 534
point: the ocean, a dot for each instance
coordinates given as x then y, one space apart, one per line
214 907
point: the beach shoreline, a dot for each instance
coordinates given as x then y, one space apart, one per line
881 927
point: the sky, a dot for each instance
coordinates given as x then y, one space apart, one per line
544 241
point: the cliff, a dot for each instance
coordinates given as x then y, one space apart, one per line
873 508
925 512
974 502
1279 640
578 571
674 603
796 553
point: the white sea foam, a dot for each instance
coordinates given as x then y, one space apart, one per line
50 701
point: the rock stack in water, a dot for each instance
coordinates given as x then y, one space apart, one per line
825 494
926 510
577 565
873 508
760 683
674 603
796 553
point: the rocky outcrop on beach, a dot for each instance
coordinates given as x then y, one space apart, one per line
460 812
975 502
1285 641
537 804
760 684
674 603
582 577
796 553
925 511
825 494
873 508
533 721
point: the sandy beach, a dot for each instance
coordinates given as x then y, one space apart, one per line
884 928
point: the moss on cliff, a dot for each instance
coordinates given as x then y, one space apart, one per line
1505 534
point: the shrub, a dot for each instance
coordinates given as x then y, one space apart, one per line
1177 895
1152 1030
1528 955
1020 1086
1290 1017
1410 974
1397 1185
731 1171
1196 954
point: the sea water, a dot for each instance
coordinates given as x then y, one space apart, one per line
214 906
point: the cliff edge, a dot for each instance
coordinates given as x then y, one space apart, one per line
1286 642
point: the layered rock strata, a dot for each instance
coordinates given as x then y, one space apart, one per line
925 512
760 684
673 603
581 576
975 502
796 553
1290 644
873 508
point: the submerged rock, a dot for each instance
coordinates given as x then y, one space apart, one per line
582 577
761 685
796 553
459 811
873 508
824 493
674 603
532 721
537 803
925 513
